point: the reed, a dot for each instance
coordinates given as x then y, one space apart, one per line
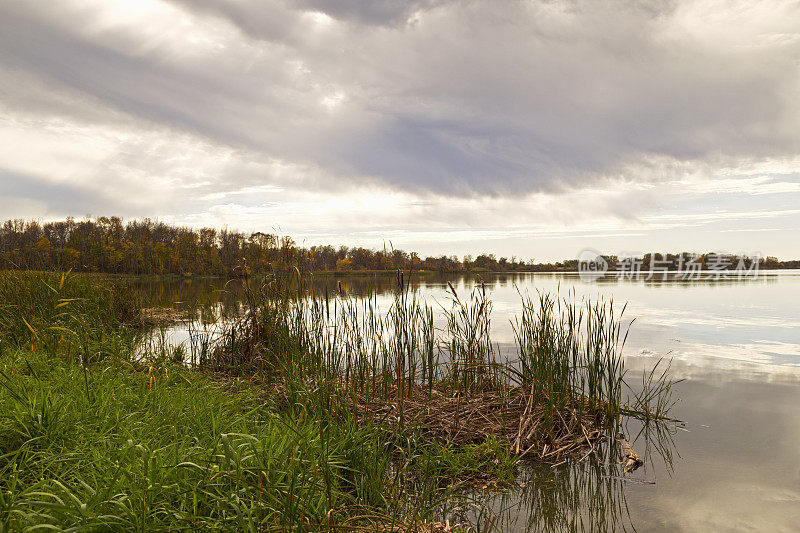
62 313
560 395
299 410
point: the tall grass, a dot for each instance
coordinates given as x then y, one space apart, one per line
131 439
141 443
174 450
63 313
570 354
569 351
404 366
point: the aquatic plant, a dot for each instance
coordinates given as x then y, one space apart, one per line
562 395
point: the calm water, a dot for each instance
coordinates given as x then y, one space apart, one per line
735 462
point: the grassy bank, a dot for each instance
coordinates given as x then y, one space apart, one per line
175 450
304 412
107 442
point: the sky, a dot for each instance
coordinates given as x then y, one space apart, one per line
533 129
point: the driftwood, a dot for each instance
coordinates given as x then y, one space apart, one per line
632 460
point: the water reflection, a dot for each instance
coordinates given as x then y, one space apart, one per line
199 299
733 323
586 496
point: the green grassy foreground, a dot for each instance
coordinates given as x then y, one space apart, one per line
92 440
301 412
180 452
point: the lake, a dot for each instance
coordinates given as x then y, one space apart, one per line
732 464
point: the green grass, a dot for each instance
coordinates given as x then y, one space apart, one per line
172 449
112 443
65 314
99 432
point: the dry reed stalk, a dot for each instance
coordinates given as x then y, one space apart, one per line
422 527
512 415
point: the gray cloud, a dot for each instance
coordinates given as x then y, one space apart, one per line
269 20
61 199
375 12
469 98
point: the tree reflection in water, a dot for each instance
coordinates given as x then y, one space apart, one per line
585 496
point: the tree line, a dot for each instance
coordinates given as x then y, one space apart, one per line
107 244
148 247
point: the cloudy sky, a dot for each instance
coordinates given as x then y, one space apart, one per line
527 128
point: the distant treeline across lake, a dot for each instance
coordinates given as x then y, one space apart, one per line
147 247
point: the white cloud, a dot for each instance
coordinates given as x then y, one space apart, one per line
437 119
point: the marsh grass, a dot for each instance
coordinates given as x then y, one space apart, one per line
144 443
64 313
171 449
400 368
302 410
